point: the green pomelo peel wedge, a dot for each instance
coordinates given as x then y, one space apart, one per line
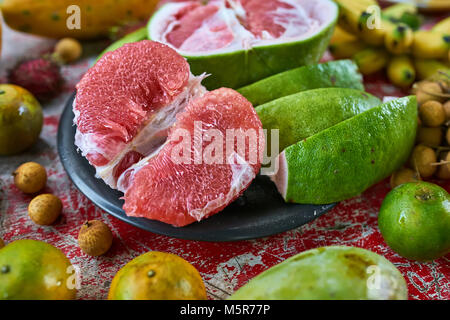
240 67
328 273
346 159
304 114
341 74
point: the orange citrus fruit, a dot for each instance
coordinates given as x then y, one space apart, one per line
35 270
157 276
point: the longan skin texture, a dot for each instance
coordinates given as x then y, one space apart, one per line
431 137
403 175
68 50
30 177
95 238
432 114
421 159
45 209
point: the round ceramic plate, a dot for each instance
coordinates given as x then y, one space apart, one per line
259 212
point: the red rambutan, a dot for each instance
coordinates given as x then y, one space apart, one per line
42 77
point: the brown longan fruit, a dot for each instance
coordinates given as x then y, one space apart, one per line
447 110
45 209
447 136
432 113
68 50
421 159
402 176
427 91
431 137
444 169
95 238
30 177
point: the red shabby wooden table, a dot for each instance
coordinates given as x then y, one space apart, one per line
223 266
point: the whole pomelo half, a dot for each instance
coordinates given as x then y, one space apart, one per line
328 273
240 42
301 115
152 131
346 159
35 270
157 276
339 74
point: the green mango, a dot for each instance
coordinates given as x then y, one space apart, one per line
328 273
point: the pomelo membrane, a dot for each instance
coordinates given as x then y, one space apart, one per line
256 38
130 109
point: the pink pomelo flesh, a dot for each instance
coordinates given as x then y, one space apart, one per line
179 193
129 110
126 103
197 27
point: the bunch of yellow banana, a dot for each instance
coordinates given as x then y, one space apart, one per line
377 39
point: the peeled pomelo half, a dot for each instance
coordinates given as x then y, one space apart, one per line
241 41
152 131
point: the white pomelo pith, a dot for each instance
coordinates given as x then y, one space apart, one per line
127 109
241 41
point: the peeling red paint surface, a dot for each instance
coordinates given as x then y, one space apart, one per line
224 266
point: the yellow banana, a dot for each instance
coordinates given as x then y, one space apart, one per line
371 28
341 35
371 60
350 11
425 68
401 71
442 26
430 45
405 13
400 39
396 11
347 49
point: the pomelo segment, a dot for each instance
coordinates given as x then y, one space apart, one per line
127 101
180 193
241 41
179 153
346 159
340 74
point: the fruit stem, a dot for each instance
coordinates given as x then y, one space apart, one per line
439 163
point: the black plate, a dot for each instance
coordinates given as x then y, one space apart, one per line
260 212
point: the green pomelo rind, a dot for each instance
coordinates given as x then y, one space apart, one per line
340 74
307 113
346 159
242 67
138 35
328 273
